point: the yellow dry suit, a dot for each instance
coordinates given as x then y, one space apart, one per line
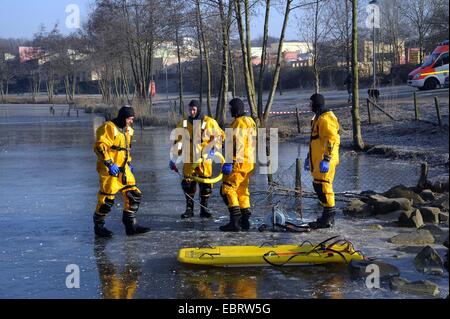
324 144
210 133
234 189
114 144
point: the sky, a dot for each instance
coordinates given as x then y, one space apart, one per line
22 19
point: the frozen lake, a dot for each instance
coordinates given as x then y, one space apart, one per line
48 193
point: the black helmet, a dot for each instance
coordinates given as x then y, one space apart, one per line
237 107
318 102
125 112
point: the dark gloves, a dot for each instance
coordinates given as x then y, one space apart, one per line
227 168
324 166
113 168
173 166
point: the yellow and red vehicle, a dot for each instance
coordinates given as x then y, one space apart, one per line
433 71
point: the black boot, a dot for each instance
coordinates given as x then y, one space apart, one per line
326 220
99 226
131 226
235 220
245 223
204 211
189 207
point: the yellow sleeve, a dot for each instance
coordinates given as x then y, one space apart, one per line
104 141
212 132
329 134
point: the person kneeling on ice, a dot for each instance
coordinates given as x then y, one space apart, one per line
323 157
236 178
112 146
210 132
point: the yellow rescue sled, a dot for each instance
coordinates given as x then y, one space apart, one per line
339 251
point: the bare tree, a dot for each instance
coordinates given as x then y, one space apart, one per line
358 143
144 26
419 14
243 22
317 25
225 19
205 45
340 32
8 68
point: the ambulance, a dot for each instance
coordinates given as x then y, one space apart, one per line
433 71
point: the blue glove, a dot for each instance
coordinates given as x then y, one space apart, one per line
324 166
131 168
212 152
113 168
306 164
172 166
227 168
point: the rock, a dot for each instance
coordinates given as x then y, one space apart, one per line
441 201
375 227
429 262
358 268
367 194
421 287
417 237
392 216
409 249
401 191
427 195
430 214
411 218
443 217
357 208
382 205
439 184
438 234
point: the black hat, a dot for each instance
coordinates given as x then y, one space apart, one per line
194 103
237 107
125 112
318 102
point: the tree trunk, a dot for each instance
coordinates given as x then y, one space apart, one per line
316 50
233 73
358 143
276 75
347 38
263 60
206 56
49 86
2 92
180 73
222 100
246 57
200 48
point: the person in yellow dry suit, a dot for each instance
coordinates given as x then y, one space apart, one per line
236 178
323 157
112 146
210 132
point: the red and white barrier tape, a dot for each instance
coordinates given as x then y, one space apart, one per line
305 112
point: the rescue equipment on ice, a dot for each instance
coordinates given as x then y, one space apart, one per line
277 221
208 180
338 251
